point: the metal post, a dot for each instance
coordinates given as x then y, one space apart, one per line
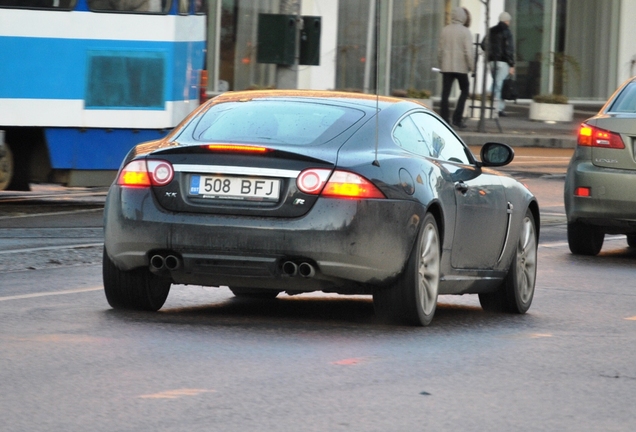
287 76
482 114
370 58
213 55
475 63
384 54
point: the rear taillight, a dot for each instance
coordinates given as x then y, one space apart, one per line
341 184
590 136
161 172
142 173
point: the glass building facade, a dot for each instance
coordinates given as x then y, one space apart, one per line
580 48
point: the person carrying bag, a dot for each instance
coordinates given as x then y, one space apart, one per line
500 48
509 89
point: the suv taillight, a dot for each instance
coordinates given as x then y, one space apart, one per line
590 136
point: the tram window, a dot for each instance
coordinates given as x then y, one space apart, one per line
39 4
149 6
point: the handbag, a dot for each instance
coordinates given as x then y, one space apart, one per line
509 89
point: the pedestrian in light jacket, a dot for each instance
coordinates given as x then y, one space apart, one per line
456 59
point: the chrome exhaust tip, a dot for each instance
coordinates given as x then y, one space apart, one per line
157 263
290 268
172 262
306 270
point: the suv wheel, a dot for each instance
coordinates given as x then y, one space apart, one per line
585 239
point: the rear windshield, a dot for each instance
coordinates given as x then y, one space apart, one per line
267 121
626 100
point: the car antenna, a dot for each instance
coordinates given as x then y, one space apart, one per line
375 7
376 162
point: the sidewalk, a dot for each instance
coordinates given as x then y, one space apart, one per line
519 131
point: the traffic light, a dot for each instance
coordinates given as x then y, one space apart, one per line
277 39
310 41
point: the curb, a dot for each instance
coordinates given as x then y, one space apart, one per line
517 140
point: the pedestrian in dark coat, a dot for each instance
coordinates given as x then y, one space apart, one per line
501 57
455 57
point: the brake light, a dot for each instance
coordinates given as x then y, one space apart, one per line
590 136
238 148
141 173
341 184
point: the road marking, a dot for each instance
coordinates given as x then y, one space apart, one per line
52 293
561 244
175 394
631 318
45 248
59 338
348 362
540 335
101 209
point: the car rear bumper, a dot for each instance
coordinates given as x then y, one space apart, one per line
361 241
611 203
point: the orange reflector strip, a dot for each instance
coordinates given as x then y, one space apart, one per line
585 136
133 178
238 148
351 190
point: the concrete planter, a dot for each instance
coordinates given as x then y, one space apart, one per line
428 102
551 112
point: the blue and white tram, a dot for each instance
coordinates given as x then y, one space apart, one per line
83 81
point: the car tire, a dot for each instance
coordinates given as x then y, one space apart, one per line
517 290
263 294
137 289
413 299
585 239
631 240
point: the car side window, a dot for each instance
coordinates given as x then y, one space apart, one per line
443 143
407 136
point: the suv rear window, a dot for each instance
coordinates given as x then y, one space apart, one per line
267 121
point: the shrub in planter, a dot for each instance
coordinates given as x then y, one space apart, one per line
418 94
423 95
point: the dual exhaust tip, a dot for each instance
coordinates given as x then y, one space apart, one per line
303 269
169 262
160 263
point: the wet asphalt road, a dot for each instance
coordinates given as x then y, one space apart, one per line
315 362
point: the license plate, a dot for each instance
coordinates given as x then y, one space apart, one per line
234 187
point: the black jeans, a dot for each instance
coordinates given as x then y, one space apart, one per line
447 84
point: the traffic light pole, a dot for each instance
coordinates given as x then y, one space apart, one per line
287 76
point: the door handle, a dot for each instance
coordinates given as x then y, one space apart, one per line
461 187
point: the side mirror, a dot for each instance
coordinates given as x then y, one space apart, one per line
496 154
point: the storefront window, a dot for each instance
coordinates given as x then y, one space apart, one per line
415 32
